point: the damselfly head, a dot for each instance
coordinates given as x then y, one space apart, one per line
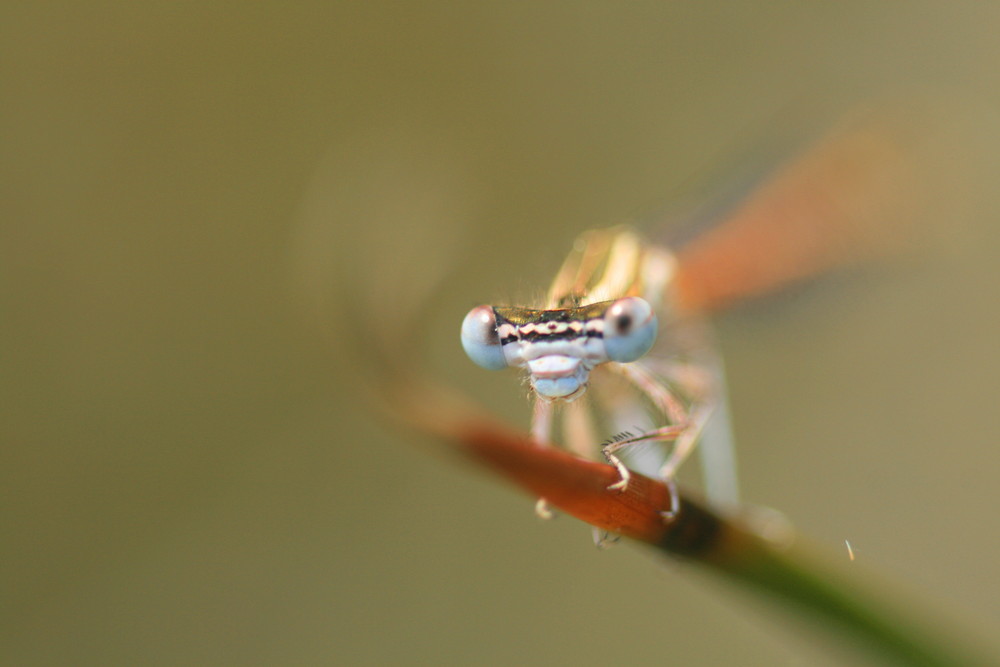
559 347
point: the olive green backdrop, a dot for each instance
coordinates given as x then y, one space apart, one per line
188 472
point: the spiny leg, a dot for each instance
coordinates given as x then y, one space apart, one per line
623 414
705 383
663 434
685 428
664 400
685 442
662 397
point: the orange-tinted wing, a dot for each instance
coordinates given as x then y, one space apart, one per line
850 197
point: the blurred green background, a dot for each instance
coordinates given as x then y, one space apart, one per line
189 472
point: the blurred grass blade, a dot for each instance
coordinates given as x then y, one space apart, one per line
860 607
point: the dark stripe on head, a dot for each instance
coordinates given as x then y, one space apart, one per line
520 319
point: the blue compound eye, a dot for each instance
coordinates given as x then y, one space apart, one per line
480 340
629 329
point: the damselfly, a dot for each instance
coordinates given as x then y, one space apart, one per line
622 316
609 321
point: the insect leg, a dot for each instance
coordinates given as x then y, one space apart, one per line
578 433
541 429
686 441
705 383
663 434
683 430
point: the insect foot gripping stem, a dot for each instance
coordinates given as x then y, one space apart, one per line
542 509
608 448
670 515
622 484
627 439
624 439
